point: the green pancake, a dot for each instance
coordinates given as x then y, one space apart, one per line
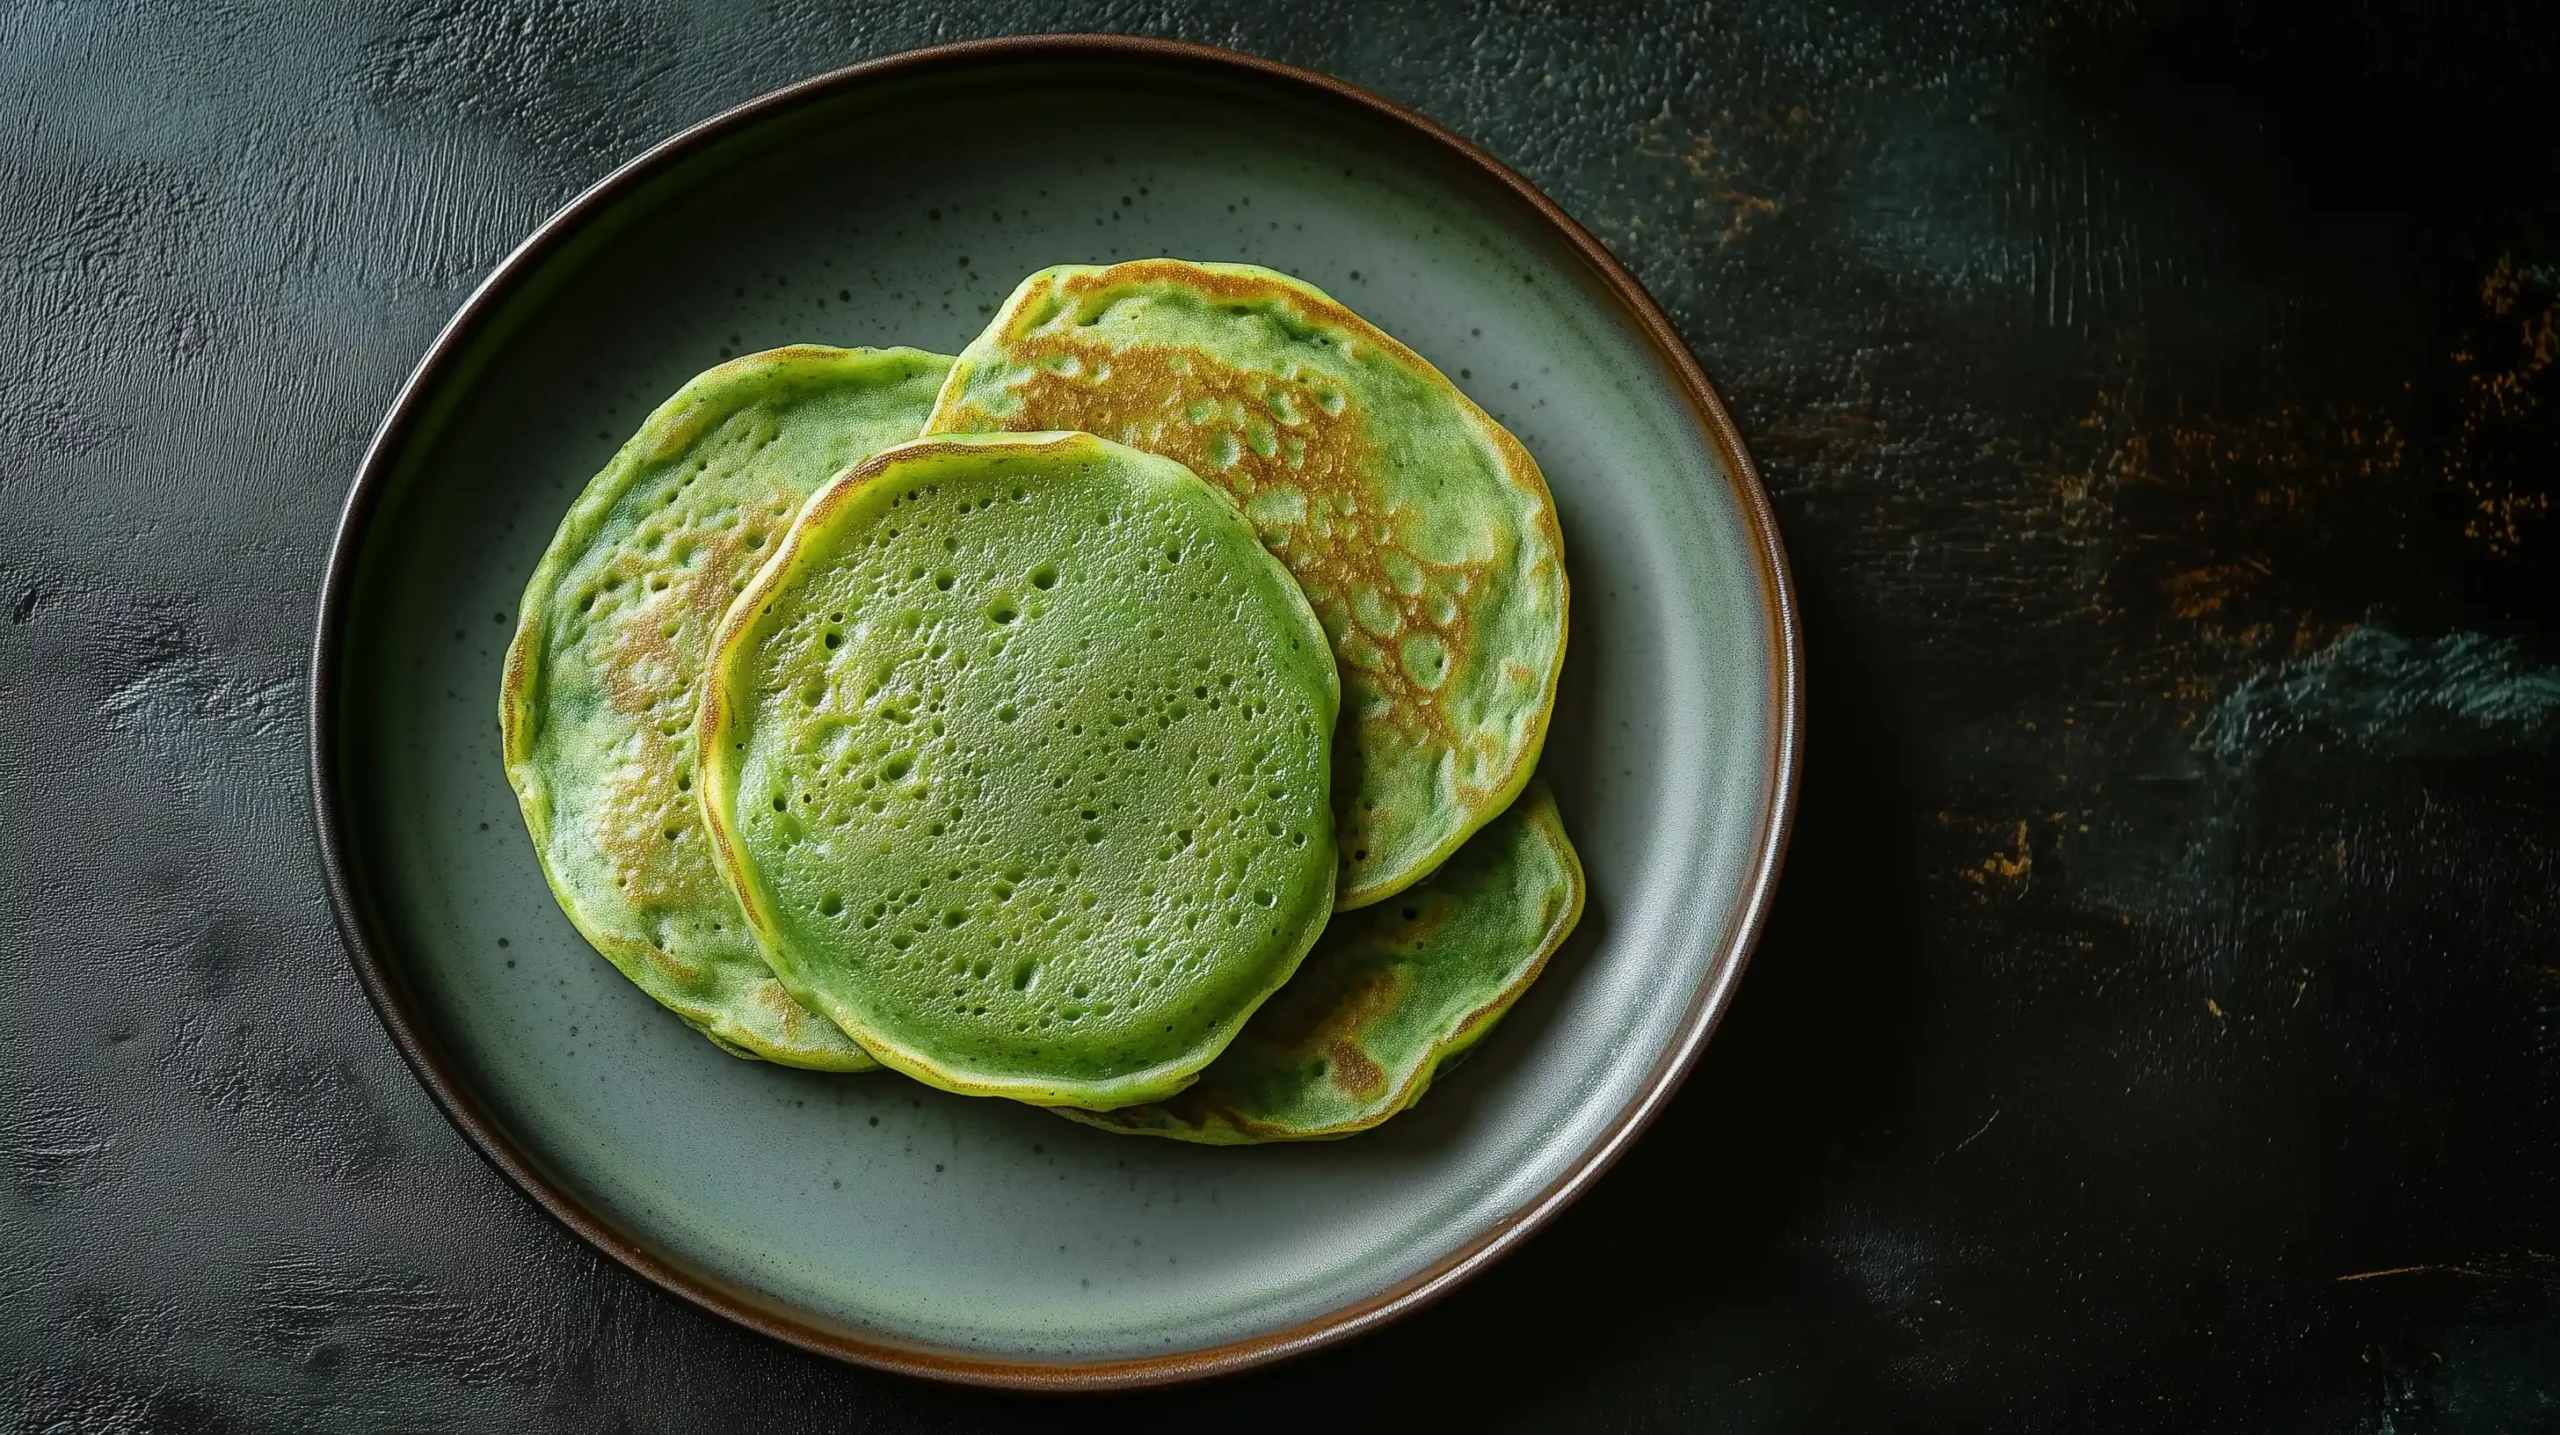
1391 995
597 711
1016 754
1421 531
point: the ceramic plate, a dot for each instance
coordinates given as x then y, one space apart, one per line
867 1216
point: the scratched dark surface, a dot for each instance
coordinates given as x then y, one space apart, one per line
2157 1028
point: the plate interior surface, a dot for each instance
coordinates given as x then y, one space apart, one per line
902 211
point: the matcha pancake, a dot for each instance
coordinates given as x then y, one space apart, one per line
597 711
1421 531
1017 755
1392 994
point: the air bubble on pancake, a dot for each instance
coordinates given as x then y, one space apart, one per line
1281 507
1376 613
1425 660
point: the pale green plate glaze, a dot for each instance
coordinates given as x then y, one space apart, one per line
869 1216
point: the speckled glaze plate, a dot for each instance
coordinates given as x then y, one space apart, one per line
867 1216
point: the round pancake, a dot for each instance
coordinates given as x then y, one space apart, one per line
1391 995
1017 755
597 711
1421 531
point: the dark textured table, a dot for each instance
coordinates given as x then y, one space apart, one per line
2160 1024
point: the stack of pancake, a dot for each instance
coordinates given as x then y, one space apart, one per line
1134 716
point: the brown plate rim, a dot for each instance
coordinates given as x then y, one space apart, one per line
366 945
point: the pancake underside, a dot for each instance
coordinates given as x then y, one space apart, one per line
602 678
1421 531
